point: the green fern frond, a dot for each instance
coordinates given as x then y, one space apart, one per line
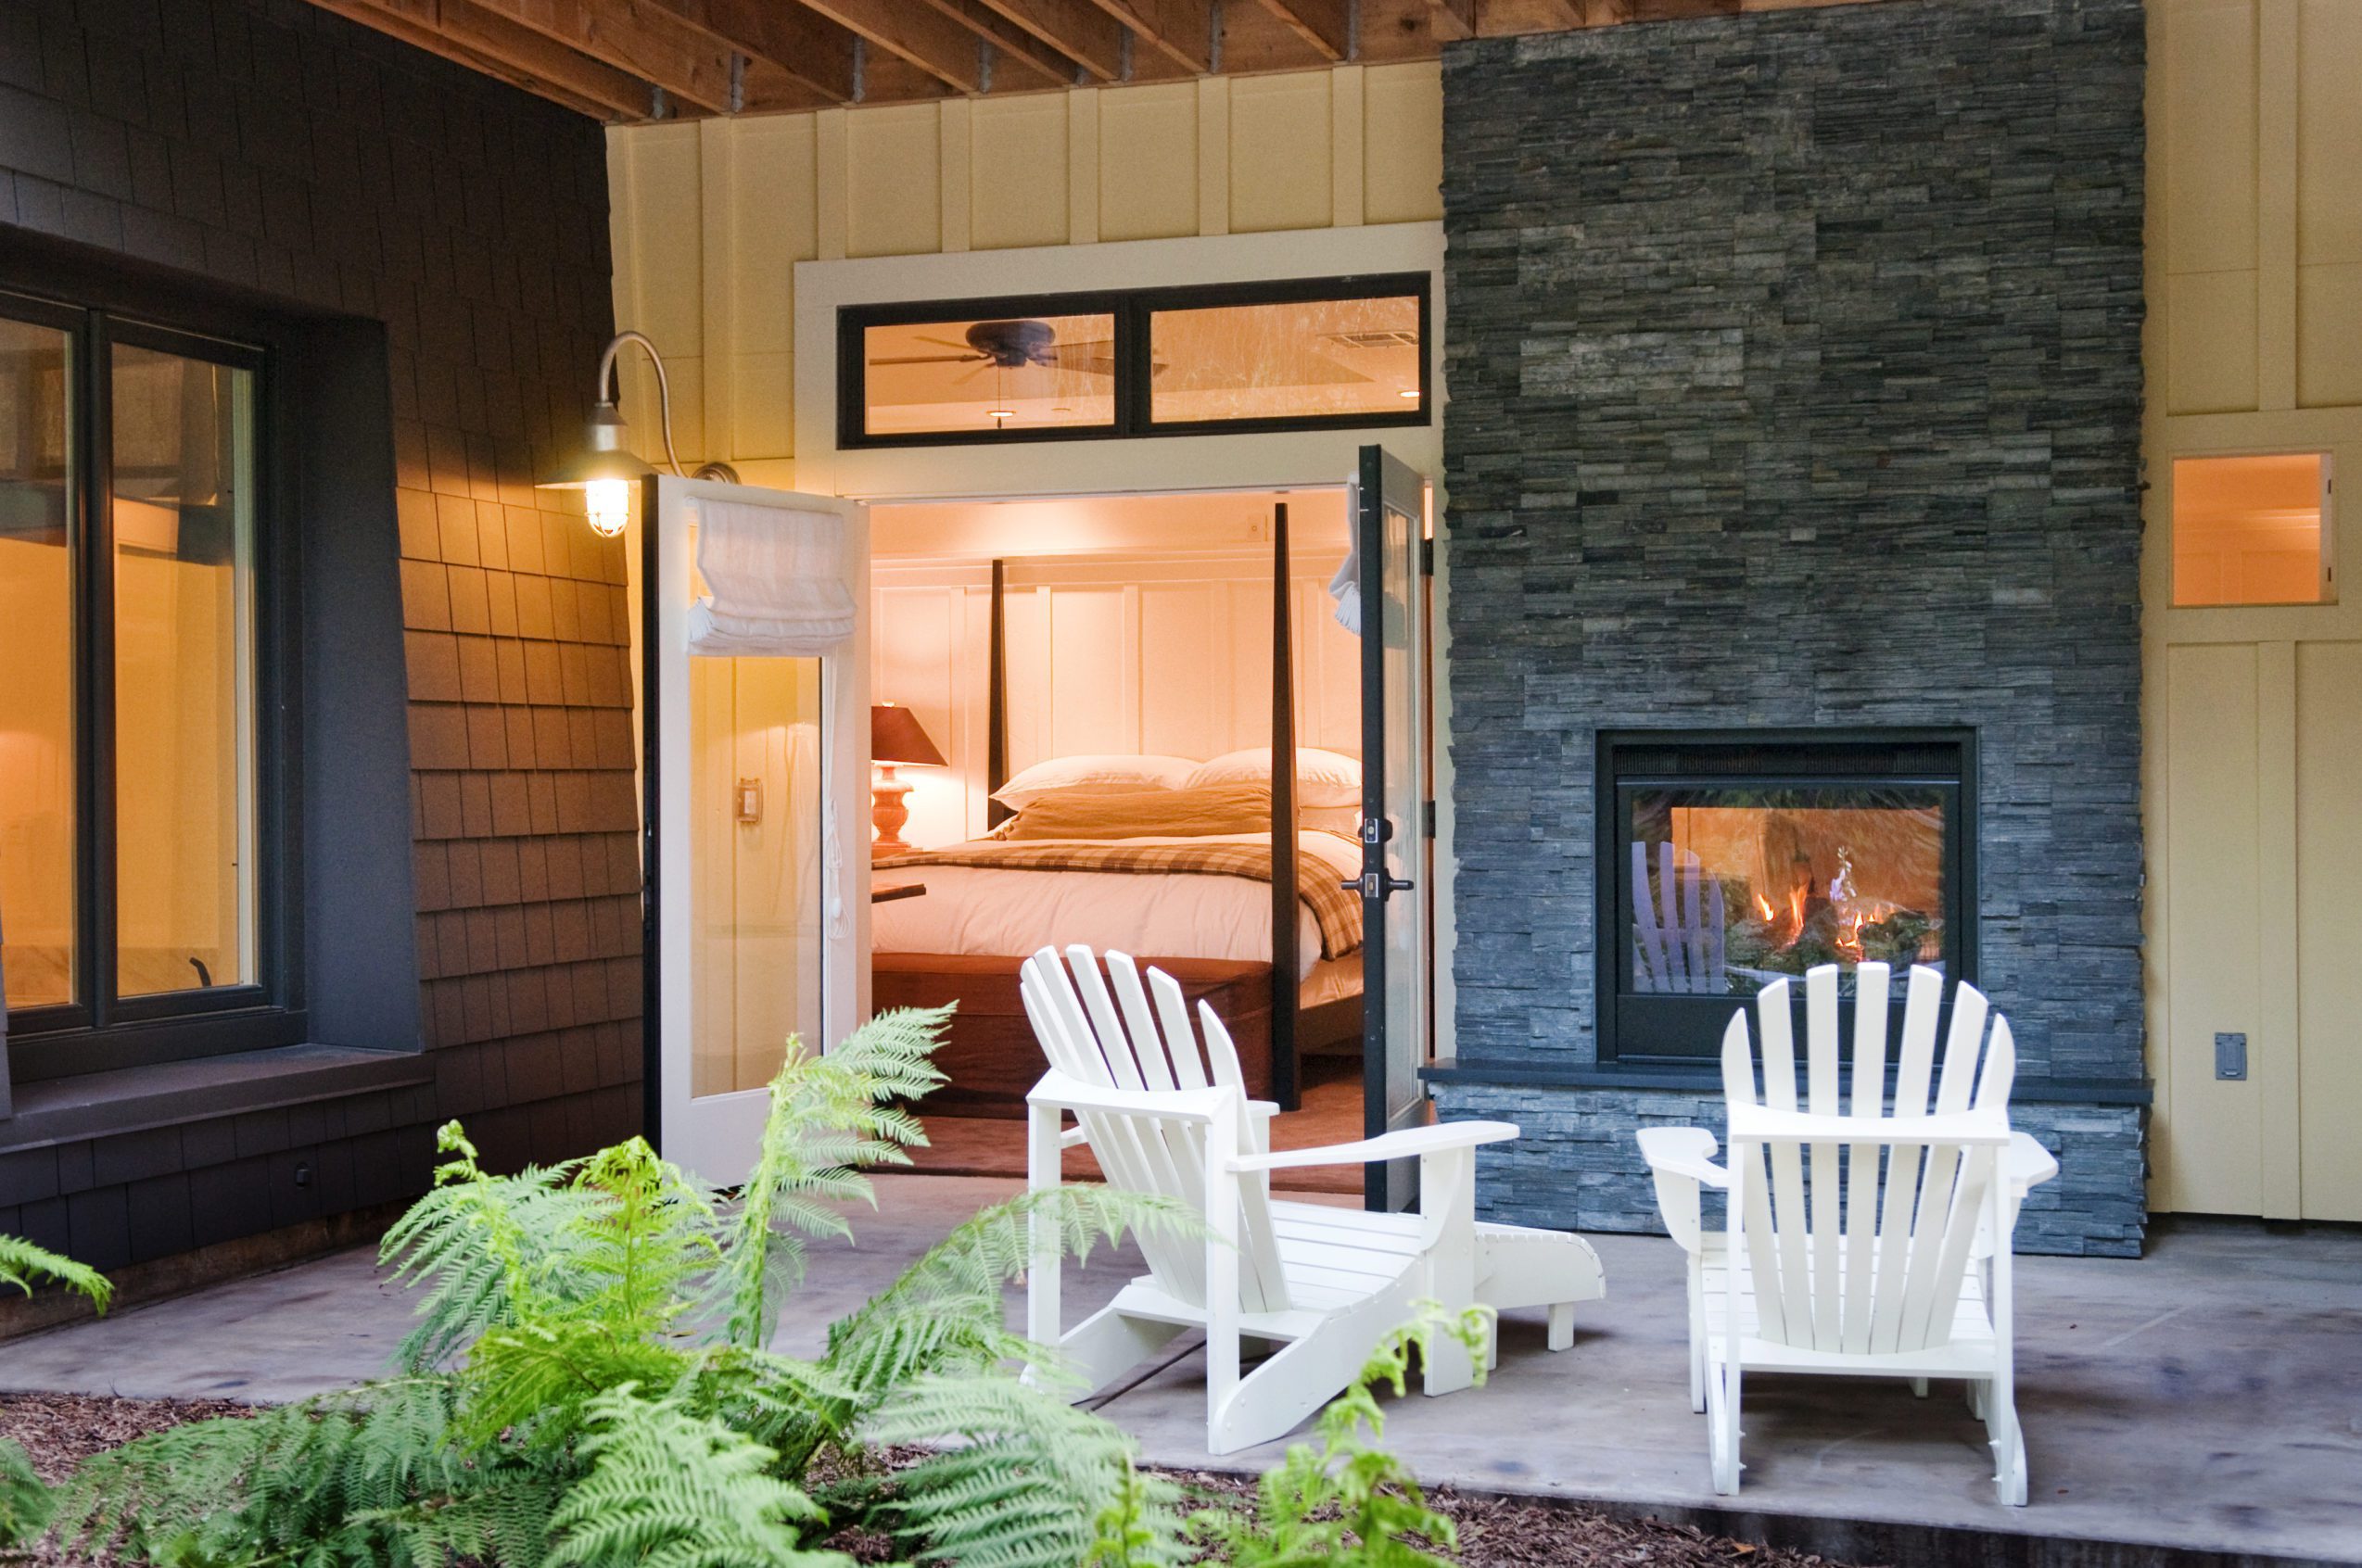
481 1244
635 1254
24 1265
668 1489
24 1502
538 1377
830 1116
1027 1484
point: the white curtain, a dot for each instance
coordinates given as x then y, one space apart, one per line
774 581
1346 587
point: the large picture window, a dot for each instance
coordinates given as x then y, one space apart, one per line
1291 354
135 859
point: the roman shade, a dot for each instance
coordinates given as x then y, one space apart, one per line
774 580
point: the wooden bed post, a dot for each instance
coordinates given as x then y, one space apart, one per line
996 704
1285 959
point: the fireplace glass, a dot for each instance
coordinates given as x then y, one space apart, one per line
1753 885
1730 865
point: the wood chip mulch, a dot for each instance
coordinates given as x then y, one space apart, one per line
60 1430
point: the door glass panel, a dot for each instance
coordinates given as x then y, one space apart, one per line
757 772
1404 660
37 957
1031 374
184 523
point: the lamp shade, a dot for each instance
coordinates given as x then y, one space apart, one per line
895 737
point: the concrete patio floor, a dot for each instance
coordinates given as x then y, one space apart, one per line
2202 1405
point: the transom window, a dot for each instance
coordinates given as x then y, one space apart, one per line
132 824
2253 529
1284 355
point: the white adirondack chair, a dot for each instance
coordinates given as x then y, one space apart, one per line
1858 1241
1677 936
1324 1284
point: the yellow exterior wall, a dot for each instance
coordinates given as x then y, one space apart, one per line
709 217
2254 717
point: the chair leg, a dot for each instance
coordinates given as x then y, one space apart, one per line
1723 1426
1562 1325
1697 1336
1919 1388
1978 1392
2008 1439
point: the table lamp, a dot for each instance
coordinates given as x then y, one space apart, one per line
895 741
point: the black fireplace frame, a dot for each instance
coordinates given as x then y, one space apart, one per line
1673 1031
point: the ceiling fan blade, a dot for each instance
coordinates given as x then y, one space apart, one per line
964 380
932 359
948 343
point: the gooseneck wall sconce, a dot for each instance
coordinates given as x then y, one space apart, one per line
606 470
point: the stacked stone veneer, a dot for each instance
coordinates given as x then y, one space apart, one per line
1795 373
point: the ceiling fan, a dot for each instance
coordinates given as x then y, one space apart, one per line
1013 345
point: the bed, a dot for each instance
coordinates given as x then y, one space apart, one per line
1197 896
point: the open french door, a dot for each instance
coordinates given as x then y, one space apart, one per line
1387 507
754 773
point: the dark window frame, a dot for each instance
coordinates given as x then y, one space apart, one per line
1134 312
1700 1054
99 1030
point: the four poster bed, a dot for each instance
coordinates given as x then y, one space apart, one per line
1172 862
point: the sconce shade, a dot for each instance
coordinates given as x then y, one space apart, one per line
604 456
895 737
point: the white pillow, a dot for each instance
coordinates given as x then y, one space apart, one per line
1093 775
1325 781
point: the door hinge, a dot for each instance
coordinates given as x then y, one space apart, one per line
1428 819
1426 556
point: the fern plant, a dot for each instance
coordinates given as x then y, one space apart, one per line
589 1383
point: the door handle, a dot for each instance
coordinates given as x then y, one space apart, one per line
1377 885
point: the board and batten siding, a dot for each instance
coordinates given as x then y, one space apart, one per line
709 217
2253 717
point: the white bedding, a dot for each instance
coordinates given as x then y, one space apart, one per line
970 909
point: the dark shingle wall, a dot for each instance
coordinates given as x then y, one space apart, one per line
267 144
1795 373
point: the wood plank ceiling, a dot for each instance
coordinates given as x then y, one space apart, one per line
626 60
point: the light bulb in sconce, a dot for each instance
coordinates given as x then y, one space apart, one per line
607 503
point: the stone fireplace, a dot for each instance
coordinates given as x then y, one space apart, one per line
1795 376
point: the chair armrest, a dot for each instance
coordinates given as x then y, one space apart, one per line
1410 1141
1182 1105
1683 1151
1263 1111
2028 1163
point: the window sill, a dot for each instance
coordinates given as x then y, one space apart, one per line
58 1110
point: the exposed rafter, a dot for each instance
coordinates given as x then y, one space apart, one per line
1181 29
653 44
1076 29
1327 25
917 32
802 49
467 35
1452 20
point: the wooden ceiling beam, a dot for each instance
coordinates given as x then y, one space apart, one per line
467 35
1180 30
653 44
1076 29
1019 59
804 48
925 37
1452 20
1327 25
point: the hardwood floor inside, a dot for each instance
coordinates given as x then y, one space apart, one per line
1330 1113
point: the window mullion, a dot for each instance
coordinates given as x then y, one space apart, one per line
99 671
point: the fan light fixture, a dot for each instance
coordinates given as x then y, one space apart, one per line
606 470
1410 392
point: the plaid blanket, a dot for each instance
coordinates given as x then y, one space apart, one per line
1337 912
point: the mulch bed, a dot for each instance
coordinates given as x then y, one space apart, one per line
61 1430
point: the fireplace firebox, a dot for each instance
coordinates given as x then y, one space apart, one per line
1730 860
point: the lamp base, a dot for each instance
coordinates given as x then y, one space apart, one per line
888 814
